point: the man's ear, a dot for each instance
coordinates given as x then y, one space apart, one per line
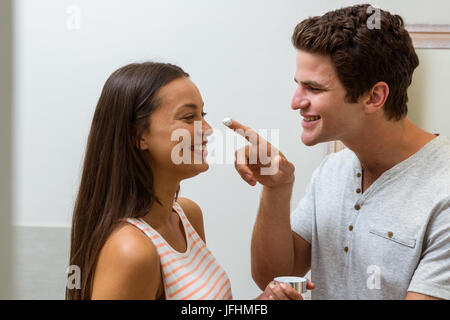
375 99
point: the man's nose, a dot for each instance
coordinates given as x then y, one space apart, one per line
299 102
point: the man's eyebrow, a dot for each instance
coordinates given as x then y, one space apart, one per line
311 83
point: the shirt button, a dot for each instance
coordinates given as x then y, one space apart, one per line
350 228
357 207
346 249
390 234
358 175
358 190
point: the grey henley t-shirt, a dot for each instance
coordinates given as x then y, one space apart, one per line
391 239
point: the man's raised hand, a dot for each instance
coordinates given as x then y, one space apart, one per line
259 161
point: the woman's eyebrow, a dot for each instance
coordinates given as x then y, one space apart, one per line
190 105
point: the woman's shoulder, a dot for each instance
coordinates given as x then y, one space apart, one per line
130 242
194 214
127 260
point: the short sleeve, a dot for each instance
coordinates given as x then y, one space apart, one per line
432 275
302 216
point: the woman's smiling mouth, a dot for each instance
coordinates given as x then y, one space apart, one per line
200 149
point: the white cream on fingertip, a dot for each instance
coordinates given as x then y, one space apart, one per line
227 122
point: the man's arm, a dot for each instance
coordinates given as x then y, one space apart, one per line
418 296
276 249
431 279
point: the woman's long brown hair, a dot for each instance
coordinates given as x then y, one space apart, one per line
117 181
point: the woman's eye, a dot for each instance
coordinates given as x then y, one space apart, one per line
192 116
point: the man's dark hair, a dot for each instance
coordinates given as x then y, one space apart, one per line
363 55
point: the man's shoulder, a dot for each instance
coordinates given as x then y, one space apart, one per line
442 149
436 163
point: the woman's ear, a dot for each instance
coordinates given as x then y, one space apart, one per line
375 99
143 144
140 141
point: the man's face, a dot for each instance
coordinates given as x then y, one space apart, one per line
320 98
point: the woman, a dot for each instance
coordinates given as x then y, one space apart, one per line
132 237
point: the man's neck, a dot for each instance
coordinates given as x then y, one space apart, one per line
383 145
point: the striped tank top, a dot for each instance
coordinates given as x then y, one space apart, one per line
192 275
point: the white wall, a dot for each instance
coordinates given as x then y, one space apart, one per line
237 52
429 95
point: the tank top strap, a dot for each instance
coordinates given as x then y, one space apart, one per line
191 234
145 228
194 274
177 208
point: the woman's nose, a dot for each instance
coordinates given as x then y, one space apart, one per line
207 130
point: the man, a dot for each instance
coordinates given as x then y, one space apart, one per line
375 220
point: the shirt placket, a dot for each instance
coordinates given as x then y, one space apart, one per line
357 199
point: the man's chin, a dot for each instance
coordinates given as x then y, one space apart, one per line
309 142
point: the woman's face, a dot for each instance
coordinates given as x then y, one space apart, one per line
176 138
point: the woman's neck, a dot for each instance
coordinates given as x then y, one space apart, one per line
165 188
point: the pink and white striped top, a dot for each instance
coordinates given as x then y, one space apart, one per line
192 275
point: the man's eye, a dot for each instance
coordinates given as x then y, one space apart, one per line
313 89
